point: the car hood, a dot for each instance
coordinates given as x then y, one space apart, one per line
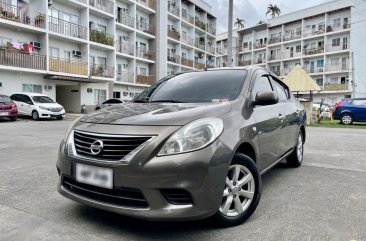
156 113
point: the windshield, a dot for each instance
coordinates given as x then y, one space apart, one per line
5 99
42 99
195 87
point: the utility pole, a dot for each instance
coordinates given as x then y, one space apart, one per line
353 76
230 35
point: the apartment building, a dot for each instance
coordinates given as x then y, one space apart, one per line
222 49
82 52
326 40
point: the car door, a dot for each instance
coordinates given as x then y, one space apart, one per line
290 111
26 104
269 123
359 110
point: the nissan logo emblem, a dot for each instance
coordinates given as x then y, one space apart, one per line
96 147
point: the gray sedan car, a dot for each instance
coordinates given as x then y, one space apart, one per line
191 146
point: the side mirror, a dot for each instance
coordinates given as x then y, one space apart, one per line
266 98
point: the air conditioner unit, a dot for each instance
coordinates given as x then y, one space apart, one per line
76 53
49 2
125 66
125 10
126 38
36 45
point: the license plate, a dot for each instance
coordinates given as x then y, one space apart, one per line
97 176
4 113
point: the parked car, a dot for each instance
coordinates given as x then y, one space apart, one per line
350 110
8 108
37 106
191 146
110 102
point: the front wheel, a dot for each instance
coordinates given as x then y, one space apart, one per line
35 115
242 192
296 157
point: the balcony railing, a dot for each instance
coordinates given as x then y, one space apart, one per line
200 24
312 31
146 28
125 19
199 65
221 51
314 70
259 46
337 67
335 87
313 51
275 39
245 49
173 34
101 37
125 48
340 47
260 61
145 79
288 54
332 27
15 14
68 66
173 9
187 17
144 53
211 29
187 62
148 3
99 70
104 5
272 57
289 37
210 49
200 45
174 58
187 40
16 58
244 62
126 76
67 28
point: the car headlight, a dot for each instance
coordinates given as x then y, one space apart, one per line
43 108
68 140
193 136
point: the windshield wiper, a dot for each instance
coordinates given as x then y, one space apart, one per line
167 101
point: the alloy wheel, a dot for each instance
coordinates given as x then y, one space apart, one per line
239 191
35 115
346 119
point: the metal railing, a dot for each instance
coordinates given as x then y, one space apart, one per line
210 49
200 24
173 58
187 40
272 57
125 48
144 53
211 29
16 58
146 27
275 39
259 46
125 19
312 51
199 44
67 28
68 66
188 18
312 31
335 87
336 27
288 54
104 5
147 3
99 70
101 37
145 79
260 60
125 76
173 34
340 47
173 9
15 14
187 62
245 49
314 70
244 62
337 67
289 37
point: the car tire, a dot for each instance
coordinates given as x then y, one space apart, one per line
35 115
297 155
346 119
234 195
13 118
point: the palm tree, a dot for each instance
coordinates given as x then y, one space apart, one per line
239 22
260 22
273 10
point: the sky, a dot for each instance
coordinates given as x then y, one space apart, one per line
252 11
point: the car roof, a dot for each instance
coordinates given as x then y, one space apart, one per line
29 93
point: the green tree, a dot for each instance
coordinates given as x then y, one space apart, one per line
273 10
239 22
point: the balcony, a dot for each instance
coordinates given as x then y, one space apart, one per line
68 66
66 28
260 45
336 27
313 31
314 70
275 39
174 34
340 47
260 61
245 48
101 37
173 9
200 24
99 70
15 14
199 65
147 3
16 58
144 53
335 87
289 55
273 57
187 40
125 48
125 19
337 67
289 37
104 5
145 79
146 28
210 49
211 29
244 62
221 51
199 45
187 62
174 58
313 51
187 17
125 76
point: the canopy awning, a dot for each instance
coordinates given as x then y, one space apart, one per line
300 81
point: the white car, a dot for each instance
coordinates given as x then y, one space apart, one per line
37 106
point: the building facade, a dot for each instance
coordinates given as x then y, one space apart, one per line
326 40
81 52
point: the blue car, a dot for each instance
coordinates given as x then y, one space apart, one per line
350 110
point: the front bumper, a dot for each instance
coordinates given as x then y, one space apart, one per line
50 114
201 174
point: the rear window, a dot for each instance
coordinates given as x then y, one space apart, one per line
359 102
195 87
5 99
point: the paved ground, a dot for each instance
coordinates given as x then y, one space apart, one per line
325 199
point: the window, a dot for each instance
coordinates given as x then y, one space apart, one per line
298 48
25 99
102 28
4 41
333 80
32 88
359 102
337 22
117 94
282 93
336 42
99 96
319 81
67 55
261 84
184 13
54 52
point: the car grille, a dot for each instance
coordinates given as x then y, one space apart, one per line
115 147
127 197
56 109
177 196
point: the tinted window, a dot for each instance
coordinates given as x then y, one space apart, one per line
112 101
194 87
359 102
261 83
282 95
5 99
14 97
42 99
24 99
